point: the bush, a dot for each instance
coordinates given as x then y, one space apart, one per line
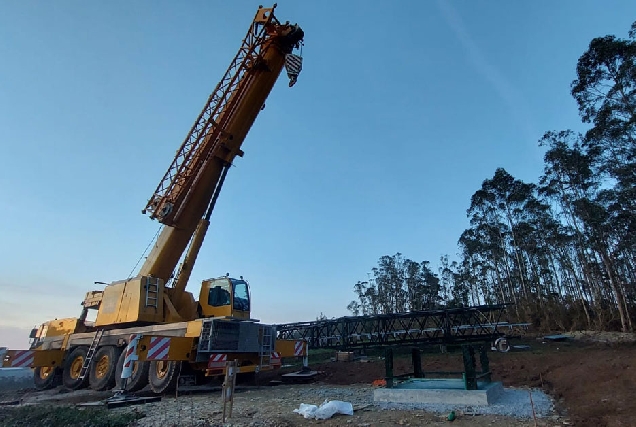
65 416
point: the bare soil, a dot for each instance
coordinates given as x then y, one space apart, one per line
593 383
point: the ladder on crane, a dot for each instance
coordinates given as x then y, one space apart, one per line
265 350
91 353
152 293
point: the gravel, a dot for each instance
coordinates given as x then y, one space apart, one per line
512 402
274 406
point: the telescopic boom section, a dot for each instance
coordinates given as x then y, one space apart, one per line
184 193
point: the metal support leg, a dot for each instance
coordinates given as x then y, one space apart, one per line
470 380
485 363
388 364
416 357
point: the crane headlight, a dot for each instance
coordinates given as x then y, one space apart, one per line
166 209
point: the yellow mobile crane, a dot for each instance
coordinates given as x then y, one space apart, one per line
156 301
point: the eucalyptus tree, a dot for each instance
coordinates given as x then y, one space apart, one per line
605 91
570 180
398 285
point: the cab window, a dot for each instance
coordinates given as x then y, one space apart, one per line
241 295
219 295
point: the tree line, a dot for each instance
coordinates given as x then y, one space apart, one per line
563 249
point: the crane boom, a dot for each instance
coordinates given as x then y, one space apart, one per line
183 195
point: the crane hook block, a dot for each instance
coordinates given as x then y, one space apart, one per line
293 65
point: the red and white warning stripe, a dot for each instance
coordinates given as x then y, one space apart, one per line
159 348
22 359
275 358
217 361
131 356
298 348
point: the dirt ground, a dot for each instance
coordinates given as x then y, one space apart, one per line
593 384
274 406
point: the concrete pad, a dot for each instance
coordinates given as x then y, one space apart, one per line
16 378
448 391
300 376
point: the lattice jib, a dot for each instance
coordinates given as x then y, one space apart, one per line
175 183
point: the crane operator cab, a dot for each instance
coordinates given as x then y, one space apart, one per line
224 297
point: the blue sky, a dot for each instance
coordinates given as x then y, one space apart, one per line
398 116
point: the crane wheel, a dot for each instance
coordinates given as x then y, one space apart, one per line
139 377
102 371
46 377
73 368
163 376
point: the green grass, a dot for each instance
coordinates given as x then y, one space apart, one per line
63 416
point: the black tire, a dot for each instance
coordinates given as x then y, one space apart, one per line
46 378
103 366
248 378
163 376
72 367
139 377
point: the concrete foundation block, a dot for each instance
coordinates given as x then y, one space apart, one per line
439 391
16 378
